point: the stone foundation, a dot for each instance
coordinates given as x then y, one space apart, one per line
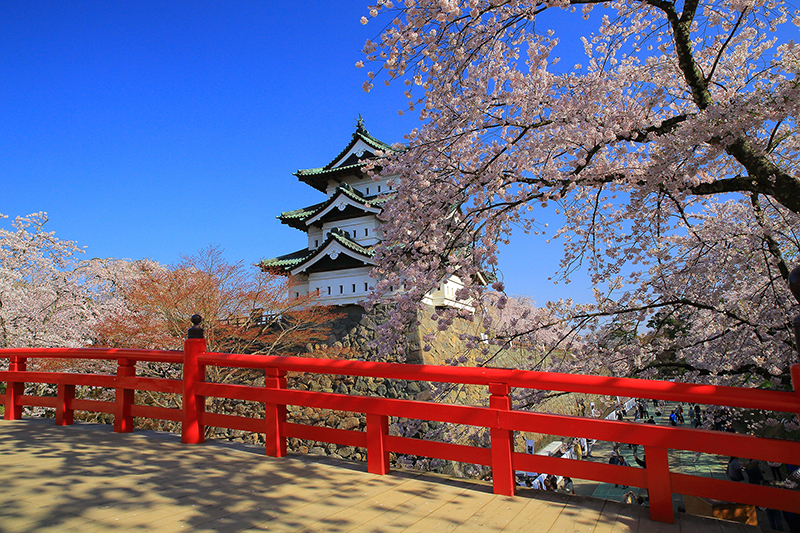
356 331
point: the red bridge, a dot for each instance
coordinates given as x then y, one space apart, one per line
497 415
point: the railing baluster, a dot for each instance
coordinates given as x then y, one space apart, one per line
795 373
15 389
64 412
123 419
192 428
377 451
275 414
502 443
658 484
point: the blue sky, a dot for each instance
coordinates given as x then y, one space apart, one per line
153 129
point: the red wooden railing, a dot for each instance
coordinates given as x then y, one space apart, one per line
499 416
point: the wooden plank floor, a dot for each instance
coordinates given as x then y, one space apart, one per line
86 478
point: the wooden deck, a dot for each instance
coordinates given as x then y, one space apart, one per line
86 478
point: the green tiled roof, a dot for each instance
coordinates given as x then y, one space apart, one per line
362 134
302 213
314 176
325 170
371 201
290 261
297 217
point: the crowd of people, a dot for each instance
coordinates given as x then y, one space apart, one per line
716 418
752 471
547 482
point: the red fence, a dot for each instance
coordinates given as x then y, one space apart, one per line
499 416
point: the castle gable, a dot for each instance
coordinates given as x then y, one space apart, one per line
346 203
348 163
338 252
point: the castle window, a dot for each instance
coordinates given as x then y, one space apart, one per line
366 232
354 287
366 287
379 188
329 291
341 289
367 190
316 243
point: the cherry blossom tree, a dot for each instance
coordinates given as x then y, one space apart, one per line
676 110
522 334
714 301
49 296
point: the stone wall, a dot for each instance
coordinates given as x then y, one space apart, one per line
357 331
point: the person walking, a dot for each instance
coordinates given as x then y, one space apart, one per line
734 470
640 461
776 470
589 444
774 516
753 470
673 418
577 450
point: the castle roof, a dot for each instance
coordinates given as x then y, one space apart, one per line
348 162
346 202
338 252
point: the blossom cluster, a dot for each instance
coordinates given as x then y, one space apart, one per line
677 115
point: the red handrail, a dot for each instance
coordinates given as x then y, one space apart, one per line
498 416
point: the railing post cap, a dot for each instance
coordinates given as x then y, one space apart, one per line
196 331
499 389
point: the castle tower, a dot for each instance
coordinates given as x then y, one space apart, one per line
342 230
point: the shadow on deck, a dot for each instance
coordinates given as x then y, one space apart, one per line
87 478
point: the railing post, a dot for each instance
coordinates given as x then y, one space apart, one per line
192 428
275 414
64 412
15 389
502 443
377 451
123 419
794 286
795 373
658 484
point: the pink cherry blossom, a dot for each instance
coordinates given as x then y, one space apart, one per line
671 152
